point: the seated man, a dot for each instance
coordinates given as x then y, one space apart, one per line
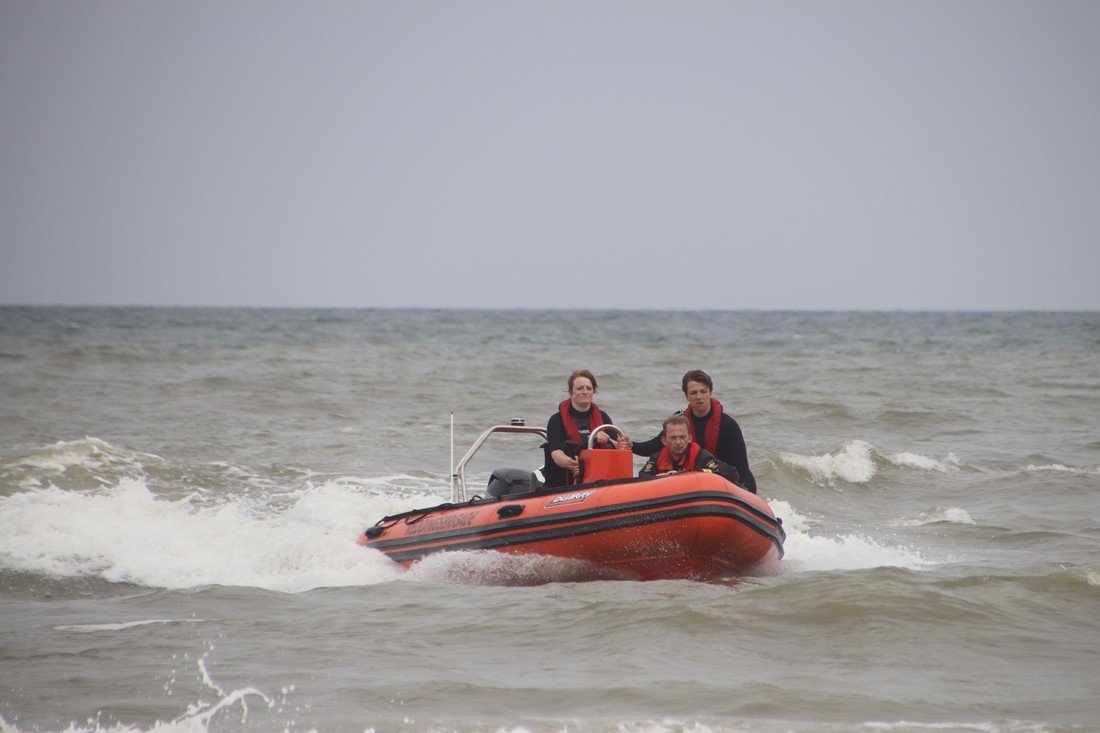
681 454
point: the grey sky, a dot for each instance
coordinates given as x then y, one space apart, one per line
764 155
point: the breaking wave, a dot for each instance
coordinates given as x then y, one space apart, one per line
857 461
128 534
1094 469
951 515
86 463
307 540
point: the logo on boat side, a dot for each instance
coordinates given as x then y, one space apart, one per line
574 498
441 524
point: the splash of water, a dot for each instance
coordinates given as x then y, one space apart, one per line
200 716
128 534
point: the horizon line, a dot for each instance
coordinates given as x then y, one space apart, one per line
488 309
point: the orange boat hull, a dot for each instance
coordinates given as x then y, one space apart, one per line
688 525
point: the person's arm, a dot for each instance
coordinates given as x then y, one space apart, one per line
648 447
555 433
555 443
731 450
650 468
710 464
604 439
617 439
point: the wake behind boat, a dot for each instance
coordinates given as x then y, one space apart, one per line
693 525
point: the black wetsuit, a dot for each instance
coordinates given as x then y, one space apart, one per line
555 440
731 445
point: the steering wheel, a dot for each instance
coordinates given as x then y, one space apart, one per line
594 433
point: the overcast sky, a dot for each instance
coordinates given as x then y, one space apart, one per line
497 154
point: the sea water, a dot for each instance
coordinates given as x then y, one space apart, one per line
181 489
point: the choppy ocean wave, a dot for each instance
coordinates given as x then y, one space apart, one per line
92 464
85 463
128 534
181 491
950 515
299 539
857 461
1093 469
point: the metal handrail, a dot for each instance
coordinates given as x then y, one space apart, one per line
458 476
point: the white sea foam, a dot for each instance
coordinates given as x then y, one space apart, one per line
952 515
90 628
669 725
1065 469
852 462
1091 575
847 552
89 453
792 520
924 463
127 534
857 462
806 551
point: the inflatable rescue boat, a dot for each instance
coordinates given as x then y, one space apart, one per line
613 525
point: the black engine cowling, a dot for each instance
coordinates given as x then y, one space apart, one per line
508 481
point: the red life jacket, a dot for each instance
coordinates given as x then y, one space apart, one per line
710 437
664 459
595 419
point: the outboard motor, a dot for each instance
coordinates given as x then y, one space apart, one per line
507 481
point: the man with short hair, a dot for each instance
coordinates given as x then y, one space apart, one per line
682 454
710 426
